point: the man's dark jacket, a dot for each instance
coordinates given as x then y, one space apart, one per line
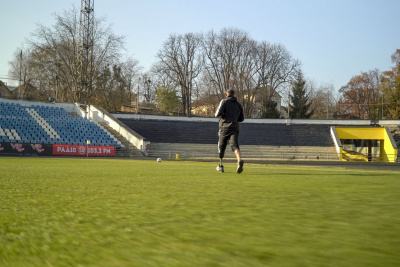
230 113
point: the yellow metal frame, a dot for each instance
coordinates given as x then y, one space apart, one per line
388 148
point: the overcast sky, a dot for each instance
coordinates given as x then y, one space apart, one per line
334 39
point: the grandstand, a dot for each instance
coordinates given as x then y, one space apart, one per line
59 128
26 123
276 139
191 139
50 125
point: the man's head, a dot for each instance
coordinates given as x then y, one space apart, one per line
230 92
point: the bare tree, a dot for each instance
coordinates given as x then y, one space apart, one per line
231 64
57 46
20 70
360 97
161 77
181 60
130 73
235 61
390 88
276 67
323 100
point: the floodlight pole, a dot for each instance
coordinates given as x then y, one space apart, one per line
85 50
20 75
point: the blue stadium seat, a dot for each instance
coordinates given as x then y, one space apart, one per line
37 124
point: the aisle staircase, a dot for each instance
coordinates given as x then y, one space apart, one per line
126 149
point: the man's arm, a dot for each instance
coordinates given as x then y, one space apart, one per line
241 115
220 110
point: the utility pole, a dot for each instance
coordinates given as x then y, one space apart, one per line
137 97
288 102
85 50
20 75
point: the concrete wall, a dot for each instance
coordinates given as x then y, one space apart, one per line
263 121
100 115
69 107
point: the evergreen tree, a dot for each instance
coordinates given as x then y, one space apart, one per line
270 110
167 100
300 107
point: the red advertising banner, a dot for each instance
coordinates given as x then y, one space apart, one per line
70 150
25 149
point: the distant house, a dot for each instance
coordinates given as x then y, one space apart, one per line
5 91
26 91
206 106
258 102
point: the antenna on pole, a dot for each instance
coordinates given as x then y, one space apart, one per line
85 50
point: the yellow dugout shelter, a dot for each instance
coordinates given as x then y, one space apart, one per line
387 145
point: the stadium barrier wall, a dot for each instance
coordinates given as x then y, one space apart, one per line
7 148
260 121
69 107
93 151
98 114
80 111
26 149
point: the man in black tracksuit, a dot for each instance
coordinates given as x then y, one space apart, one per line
230 113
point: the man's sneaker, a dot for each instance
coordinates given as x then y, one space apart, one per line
240 166
220 168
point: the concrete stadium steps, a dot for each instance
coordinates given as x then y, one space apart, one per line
126 149
394 129
250 133
208 151
170 150
289 152
397 140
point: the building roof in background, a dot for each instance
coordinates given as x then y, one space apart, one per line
4 90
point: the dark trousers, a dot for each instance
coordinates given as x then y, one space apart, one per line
223 136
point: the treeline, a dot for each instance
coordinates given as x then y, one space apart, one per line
190 75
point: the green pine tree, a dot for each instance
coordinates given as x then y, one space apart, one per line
270 110
300 102
167 100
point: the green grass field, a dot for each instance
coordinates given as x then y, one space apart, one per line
113 212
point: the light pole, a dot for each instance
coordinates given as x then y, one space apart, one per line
288 102
137 97
20 76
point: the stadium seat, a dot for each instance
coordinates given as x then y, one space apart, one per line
47 124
